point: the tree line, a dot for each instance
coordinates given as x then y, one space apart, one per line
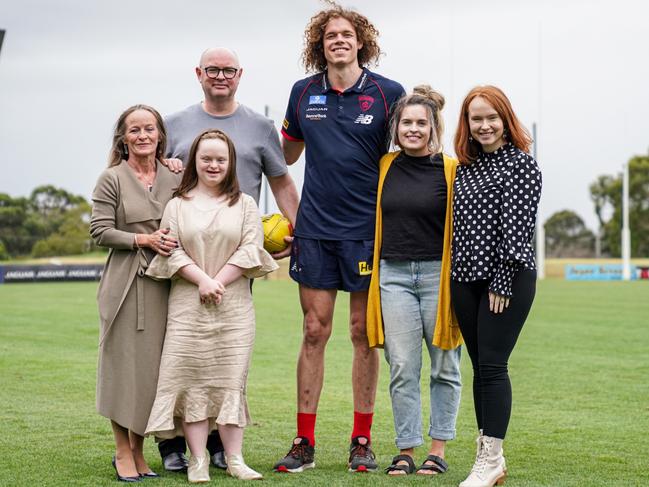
566 235
50 222
53 222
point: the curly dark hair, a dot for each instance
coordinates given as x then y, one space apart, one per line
313 56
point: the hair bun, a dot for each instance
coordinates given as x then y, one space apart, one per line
428 92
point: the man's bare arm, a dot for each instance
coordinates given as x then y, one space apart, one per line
292 150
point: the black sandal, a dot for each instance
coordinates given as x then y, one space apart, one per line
438 465
408 469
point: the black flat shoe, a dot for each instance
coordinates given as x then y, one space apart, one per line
149 475
218 460
124 479
175 462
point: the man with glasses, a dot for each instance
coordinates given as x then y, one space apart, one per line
258 152
254 136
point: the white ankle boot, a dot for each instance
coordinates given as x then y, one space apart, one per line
237 468
489 468
478 442
198 470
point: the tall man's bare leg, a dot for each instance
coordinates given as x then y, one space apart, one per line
365 366
318 309
365 375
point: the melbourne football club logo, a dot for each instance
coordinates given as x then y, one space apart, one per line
365 102
317 100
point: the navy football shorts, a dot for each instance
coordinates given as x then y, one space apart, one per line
332 264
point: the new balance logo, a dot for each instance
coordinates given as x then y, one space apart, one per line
364 119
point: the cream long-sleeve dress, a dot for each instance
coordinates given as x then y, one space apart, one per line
207 348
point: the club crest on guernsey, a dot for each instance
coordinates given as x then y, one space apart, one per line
365 102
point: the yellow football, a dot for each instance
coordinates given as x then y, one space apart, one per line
276 227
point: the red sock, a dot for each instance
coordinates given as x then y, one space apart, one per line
306 426
362 425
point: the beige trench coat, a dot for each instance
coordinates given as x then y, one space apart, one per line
132 307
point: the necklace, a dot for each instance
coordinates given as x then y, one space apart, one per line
148 181
145 178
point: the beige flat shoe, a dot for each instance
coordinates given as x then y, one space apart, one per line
237 468
198 470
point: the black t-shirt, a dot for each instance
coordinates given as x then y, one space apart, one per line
413 204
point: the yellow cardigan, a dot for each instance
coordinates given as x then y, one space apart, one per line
447 332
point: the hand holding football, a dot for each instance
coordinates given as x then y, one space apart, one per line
276 227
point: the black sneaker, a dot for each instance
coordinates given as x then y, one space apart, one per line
298 458
361 456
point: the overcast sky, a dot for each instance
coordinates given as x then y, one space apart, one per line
68 68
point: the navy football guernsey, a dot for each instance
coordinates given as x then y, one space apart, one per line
345 135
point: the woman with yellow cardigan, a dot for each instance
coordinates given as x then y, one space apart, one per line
409 295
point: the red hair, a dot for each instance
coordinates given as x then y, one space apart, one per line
467 149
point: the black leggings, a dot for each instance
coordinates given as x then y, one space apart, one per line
490 339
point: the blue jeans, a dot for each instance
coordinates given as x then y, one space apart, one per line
409 291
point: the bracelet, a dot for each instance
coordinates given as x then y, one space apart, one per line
137 245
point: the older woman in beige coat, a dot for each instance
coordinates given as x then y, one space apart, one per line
128 203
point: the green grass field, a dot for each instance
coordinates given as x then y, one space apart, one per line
579 374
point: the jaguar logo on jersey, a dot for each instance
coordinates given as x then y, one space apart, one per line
365 102
364 269
364 119
317 100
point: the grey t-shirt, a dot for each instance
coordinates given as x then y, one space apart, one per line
255 140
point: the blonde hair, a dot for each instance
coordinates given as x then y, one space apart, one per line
117 151
433 101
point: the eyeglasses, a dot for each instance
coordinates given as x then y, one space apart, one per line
213 72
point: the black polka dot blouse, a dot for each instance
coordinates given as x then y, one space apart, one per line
495 202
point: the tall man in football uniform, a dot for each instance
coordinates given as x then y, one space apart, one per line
258 152
340 115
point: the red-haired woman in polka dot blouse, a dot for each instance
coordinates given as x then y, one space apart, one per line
493 276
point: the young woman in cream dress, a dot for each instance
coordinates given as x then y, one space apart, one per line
211 321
